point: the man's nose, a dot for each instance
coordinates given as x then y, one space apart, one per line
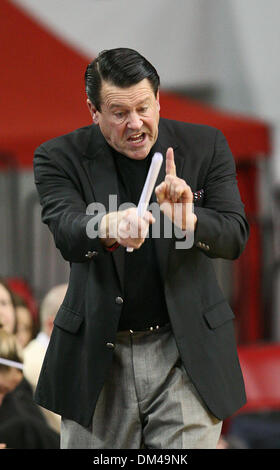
134 121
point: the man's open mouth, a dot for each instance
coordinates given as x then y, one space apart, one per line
137 138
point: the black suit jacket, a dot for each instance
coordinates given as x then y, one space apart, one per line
77 169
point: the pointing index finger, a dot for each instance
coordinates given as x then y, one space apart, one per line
170 167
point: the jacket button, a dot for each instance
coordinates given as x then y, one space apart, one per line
110 345
119 300
91 254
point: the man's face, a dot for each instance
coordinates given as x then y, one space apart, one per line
129 118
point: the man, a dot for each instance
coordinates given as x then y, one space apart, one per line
142 353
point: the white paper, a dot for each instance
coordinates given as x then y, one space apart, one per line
148 186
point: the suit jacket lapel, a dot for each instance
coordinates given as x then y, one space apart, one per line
99 163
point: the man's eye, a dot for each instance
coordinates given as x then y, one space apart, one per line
119 115
144 109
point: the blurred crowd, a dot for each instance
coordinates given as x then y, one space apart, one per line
24 338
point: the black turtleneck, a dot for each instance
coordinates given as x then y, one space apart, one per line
144 300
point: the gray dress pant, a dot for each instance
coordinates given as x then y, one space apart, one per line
147 401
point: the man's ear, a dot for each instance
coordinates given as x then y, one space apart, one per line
93 111
157 99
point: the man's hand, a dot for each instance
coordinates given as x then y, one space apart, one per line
125 227
175 197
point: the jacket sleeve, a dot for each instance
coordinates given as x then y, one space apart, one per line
75 231
222 229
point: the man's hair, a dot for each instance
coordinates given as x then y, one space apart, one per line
121 67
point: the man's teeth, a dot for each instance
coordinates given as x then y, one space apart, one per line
137 137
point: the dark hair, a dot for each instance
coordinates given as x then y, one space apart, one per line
122 67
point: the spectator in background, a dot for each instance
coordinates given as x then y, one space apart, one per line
15 316
7 308
10 364
22 424
26 327
35 351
